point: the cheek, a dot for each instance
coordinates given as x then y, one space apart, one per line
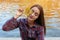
35 17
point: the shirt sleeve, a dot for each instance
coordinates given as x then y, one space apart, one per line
40 34
10 24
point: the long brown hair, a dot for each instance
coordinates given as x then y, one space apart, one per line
40 20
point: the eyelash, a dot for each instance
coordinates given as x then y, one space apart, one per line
32 10
36 14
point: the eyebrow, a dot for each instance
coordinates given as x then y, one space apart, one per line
32 10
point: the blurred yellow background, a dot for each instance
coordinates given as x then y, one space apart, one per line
51 9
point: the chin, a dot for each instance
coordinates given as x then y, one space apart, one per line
30 19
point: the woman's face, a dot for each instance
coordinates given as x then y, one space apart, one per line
34 13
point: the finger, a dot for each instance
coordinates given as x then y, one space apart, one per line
20 10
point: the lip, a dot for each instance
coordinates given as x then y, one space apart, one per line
31 17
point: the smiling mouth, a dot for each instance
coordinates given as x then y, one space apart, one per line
31 17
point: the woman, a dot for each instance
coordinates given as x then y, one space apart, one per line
32 27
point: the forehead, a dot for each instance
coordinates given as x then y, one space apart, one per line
35 9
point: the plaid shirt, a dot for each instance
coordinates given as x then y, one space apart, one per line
36 31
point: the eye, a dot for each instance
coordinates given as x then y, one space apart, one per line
36 14
30 12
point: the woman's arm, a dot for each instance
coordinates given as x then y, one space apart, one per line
41 34
10 24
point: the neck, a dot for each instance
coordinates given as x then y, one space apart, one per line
30 22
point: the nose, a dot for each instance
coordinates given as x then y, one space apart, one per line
32 14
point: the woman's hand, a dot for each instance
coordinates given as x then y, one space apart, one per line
19 13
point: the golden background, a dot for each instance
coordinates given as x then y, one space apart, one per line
51 9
